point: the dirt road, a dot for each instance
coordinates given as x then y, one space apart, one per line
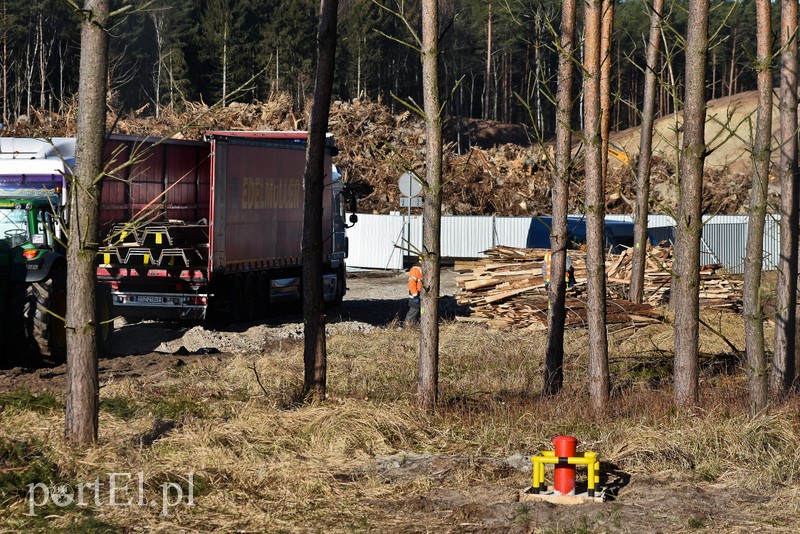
375 300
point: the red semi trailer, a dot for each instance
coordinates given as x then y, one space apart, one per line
213 228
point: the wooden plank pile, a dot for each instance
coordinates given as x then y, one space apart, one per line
717 289
505 289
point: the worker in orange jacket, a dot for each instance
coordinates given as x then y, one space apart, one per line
414 294
570 270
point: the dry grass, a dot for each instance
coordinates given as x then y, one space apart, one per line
261 461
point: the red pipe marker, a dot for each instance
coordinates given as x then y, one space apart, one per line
564 475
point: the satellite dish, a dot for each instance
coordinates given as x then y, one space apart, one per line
409 184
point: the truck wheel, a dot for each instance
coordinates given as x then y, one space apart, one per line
104 317
236 289
341 285
262 296
45 308
250 298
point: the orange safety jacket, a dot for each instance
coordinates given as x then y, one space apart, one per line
415 281
548 257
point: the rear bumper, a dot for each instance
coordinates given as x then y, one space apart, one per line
171 306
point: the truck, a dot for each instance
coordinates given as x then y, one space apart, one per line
194 230
212 229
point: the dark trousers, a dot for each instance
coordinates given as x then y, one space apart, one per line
412 316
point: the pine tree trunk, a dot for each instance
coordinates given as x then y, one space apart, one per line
642 209
158 25
556 314
753 311
225 64
689 223
713 75
314 352
606 31
42 75
428 383
595 213
487 93
783 366
731 74
5 65
619 88
82 383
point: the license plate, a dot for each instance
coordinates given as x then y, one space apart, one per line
147 298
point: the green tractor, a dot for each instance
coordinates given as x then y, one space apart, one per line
35 288
33 266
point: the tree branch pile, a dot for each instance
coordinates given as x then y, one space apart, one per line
377 146
505 289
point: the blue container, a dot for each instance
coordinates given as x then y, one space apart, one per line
618 234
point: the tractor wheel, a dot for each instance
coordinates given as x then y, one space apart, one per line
15 329
45 308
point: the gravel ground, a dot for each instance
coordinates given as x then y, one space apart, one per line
374 300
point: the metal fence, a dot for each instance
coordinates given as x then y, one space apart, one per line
382 241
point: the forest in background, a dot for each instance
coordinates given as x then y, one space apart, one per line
498 60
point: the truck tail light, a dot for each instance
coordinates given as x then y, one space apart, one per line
197 301
30 253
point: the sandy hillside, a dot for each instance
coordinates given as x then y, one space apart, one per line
730 126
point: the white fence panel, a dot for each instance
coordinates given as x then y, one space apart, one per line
415 239
512 231
466 236
715 245
659 221
726 238
372 242
381 241
772 243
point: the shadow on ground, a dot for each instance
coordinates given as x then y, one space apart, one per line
147 337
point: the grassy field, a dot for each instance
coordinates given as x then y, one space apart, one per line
229 428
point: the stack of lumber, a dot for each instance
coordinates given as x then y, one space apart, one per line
530 312
657 277
505 288
717 289
508 271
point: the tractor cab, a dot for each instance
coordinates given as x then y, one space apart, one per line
28 237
